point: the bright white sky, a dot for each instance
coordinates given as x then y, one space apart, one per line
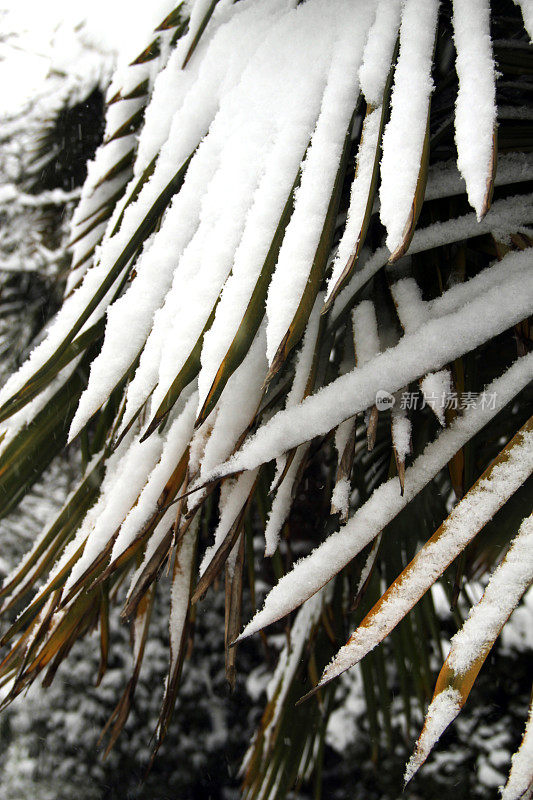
45 39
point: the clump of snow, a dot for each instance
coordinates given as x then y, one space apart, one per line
436 388
359 195
365 332
475 110
378 51
412 310
346 37
442 710
340 497
505 588
176 441
231 504
401 432
403 139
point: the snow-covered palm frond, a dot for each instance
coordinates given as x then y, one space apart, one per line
297 219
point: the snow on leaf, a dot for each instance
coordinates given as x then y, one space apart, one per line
345 447
505 217
489 493
475 111
365 333
406 131
443 709
412 310
288 467
126 475
131 318
128 95
361 200
375 77
378 52
237 406
319 171
281 505
436 388
471 645
234 498
315 570
176 441
429 348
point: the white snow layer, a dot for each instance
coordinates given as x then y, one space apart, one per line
475 109
403 139
125 478
505 216
304 360
466 519
281 505
379 50
472 643
345 31
181 590
291 655
232 501
521 775
176 441
314 571
401 432
505 588
183 250
436 388
359 196
442 710
237 405
365 333
430 347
